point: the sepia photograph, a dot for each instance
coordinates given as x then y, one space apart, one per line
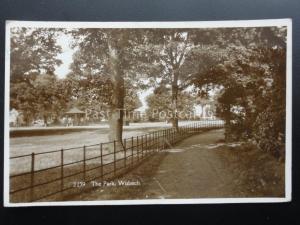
101 113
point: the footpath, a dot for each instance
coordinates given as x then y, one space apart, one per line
201 166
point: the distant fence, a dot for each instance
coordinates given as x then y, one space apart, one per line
53 175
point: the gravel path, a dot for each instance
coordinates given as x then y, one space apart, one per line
194 170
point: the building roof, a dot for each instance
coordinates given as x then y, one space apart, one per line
75 110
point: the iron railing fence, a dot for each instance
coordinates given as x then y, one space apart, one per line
53 175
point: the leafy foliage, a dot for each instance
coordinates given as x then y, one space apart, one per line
35 90
252 78
160 102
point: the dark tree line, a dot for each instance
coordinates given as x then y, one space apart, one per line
253 80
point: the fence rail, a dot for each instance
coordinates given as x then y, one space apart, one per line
50 175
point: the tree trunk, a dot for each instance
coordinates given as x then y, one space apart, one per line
118 94
175 101
115 124
45 120
116 114
227 123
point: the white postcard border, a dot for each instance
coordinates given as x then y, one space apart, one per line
187 24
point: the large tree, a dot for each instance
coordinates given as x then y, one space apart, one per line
109 57
180 54
34 52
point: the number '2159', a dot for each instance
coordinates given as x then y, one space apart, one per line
79 184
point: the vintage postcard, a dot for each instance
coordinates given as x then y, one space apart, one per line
104 113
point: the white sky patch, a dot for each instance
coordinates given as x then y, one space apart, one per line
143 95
66 55
189 88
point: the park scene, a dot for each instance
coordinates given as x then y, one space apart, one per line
146 113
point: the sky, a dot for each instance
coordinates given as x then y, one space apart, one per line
66 55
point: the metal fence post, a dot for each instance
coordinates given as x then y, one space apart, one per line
114 157
137 148
173 135
101 161
32 176
157 139
124 153
132 147
84 163
146 143
62 169
142 146
160 136
153 141
167 134
165 138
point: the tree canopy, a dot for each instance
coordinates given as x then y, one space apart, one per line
252 77
244 68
